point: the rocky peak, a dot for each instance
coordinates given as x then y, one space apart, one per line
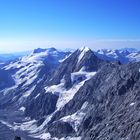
81 58
39 50
85 49
48 50
52 49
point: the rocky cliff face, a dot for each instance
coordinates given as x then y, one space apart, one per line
106 107
116 114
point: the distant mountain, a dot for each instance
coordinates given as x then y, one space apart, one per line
125 55
51 94
12 56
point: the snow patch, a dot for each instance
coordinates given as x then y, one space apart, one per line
76 118
86 49
62 60
7 124
83 51
81 75
37 95
25 126
22 109
28 93
45 136
71 138
66 95
132 104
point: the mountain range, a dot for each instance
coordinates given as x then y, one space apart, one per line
125 55
61 95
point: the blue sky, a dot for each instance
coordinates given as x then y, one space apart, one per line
28 24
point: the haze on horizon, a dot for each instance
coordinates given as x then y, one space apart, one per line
25 25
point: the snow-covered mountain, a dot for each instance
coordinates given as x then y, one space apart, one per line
29 71
125 55
63 85
50 94
45 81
